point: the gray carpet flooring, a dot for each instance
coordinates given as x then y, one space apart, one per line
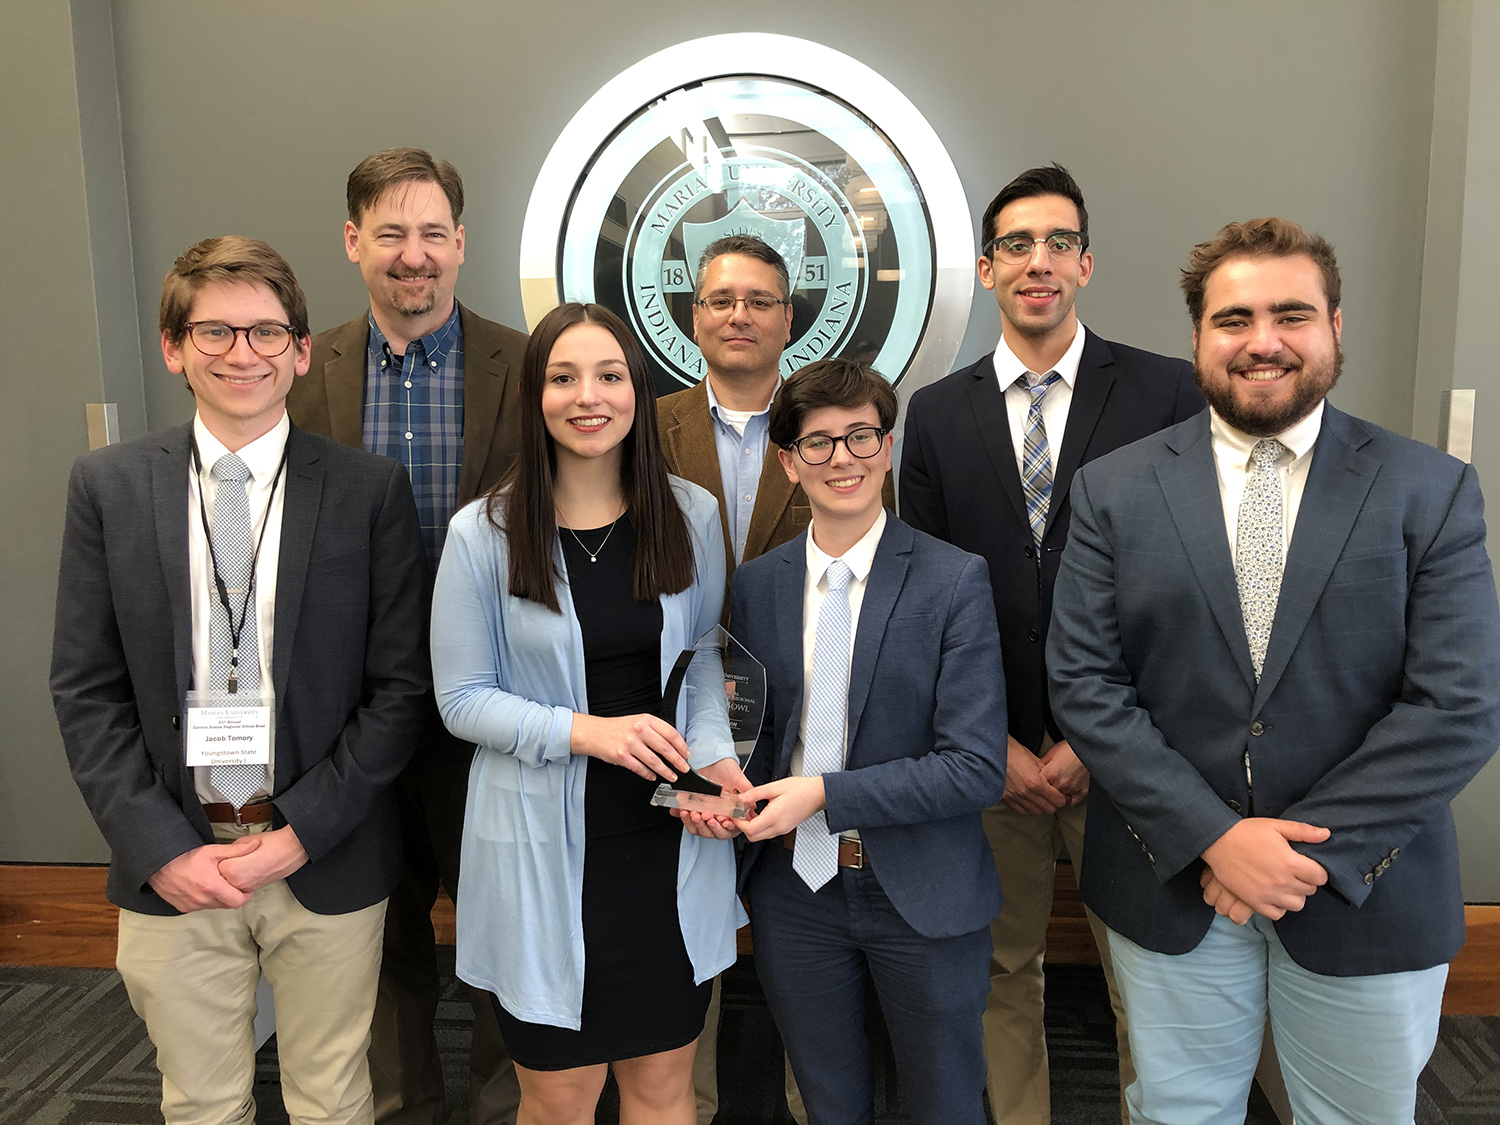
73 1053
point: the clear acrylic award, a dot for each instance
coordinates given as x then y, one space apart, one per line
716 674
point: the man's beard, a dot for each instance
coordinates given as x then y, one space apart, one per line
1311 384
411 305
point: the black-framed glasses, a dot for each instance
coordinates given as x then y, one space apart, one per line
862 442
266 339
723 304
1063 244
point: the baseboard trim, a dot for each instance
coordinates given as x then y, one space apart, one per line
57 915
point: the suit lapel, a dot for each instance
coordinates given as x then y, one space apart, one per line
1190 485
695 457
344 383
790 581
169 494
1090 391
882 588
987 401
487 378
1338 480
299 518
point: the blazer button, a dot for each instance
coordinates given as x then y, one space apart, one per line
1394 853
176 722
1257 727
1030 552
1033 635
1235 805
1369 878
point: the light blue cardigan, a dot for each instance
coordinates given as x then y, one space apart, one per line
509 676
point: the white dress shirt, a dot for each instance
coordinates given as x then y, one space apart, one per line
262 456
1055 402
858 558
1232 451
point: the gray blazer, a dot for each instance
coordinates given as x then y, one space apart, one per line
1378 701
348 666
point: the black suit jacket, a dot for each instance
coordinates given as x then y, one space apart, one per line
959 482
348 662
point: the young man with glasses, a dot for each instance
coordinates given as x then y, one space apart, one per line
716 435
989 454
421 378
883 741
239 675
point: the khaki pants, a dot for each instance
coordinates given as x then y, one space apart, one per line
192 979
1015 1043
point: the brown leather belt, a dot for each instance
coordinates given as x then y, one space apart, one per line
221 812
851 852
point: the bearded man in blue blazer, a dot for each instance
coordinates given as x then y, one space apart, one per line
1275 644
883 741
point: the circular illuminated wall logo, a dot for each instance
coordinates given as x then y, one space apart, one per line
860 199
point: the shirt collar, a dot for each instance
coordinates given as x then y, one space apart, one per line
435 345
262 456
1299 437
858 558
1009 368
713 403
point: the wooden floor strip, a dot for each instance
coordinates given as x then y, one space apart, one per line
57 915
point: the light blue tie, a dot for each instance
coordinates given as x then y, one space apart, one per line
234 554
1036 459
816 856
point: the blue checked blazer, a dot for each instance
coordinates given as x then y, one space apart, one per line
1378 701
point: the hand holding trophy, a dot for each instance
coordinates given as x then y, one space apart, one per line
718 674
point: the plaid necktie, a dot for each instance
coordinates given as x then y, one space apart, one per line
1259 538
1036 460
816 855
233 554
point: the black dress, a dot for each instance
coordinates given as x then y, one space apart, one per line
638 991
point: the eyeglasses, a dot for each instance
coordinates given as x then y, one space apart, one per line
723 305
817 449
1064 244
266 339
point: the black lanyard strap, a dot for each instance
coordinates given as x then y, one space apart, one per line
236 629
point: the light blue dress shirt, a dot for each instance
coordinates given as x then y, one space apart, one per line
509 675
741 460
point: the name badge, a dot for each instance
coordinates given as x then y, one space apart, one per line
225 731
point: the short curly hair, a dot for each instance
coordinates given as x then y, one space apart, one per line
1258 238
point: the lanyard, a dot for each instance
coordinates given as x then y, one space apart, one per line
232 685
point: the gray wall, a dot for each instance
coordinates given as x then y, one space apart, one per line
1175 116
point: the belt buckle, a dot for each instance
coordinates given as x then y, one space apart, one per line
859 855
239 813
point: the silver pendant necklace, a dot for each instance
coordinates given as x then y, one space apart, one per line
594 555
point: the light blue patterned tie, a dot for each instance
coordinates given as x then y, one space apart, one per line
1036 459
234 554
816 856
1259 539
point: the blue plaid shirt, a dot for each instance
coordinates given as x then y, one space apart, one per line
414 411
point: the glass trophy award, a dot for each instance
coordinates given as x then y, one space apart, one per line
716 676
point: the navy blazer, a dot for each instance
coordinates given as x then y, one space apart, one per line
348 662
926 718
1378 701
959 481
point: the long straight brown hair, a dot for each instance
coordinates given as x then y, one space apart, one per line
521 504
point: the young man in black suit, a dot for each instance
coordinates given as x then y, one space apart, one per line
989 454
242 575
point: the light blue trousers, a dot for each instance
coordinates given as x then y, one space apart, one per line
1350 1047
